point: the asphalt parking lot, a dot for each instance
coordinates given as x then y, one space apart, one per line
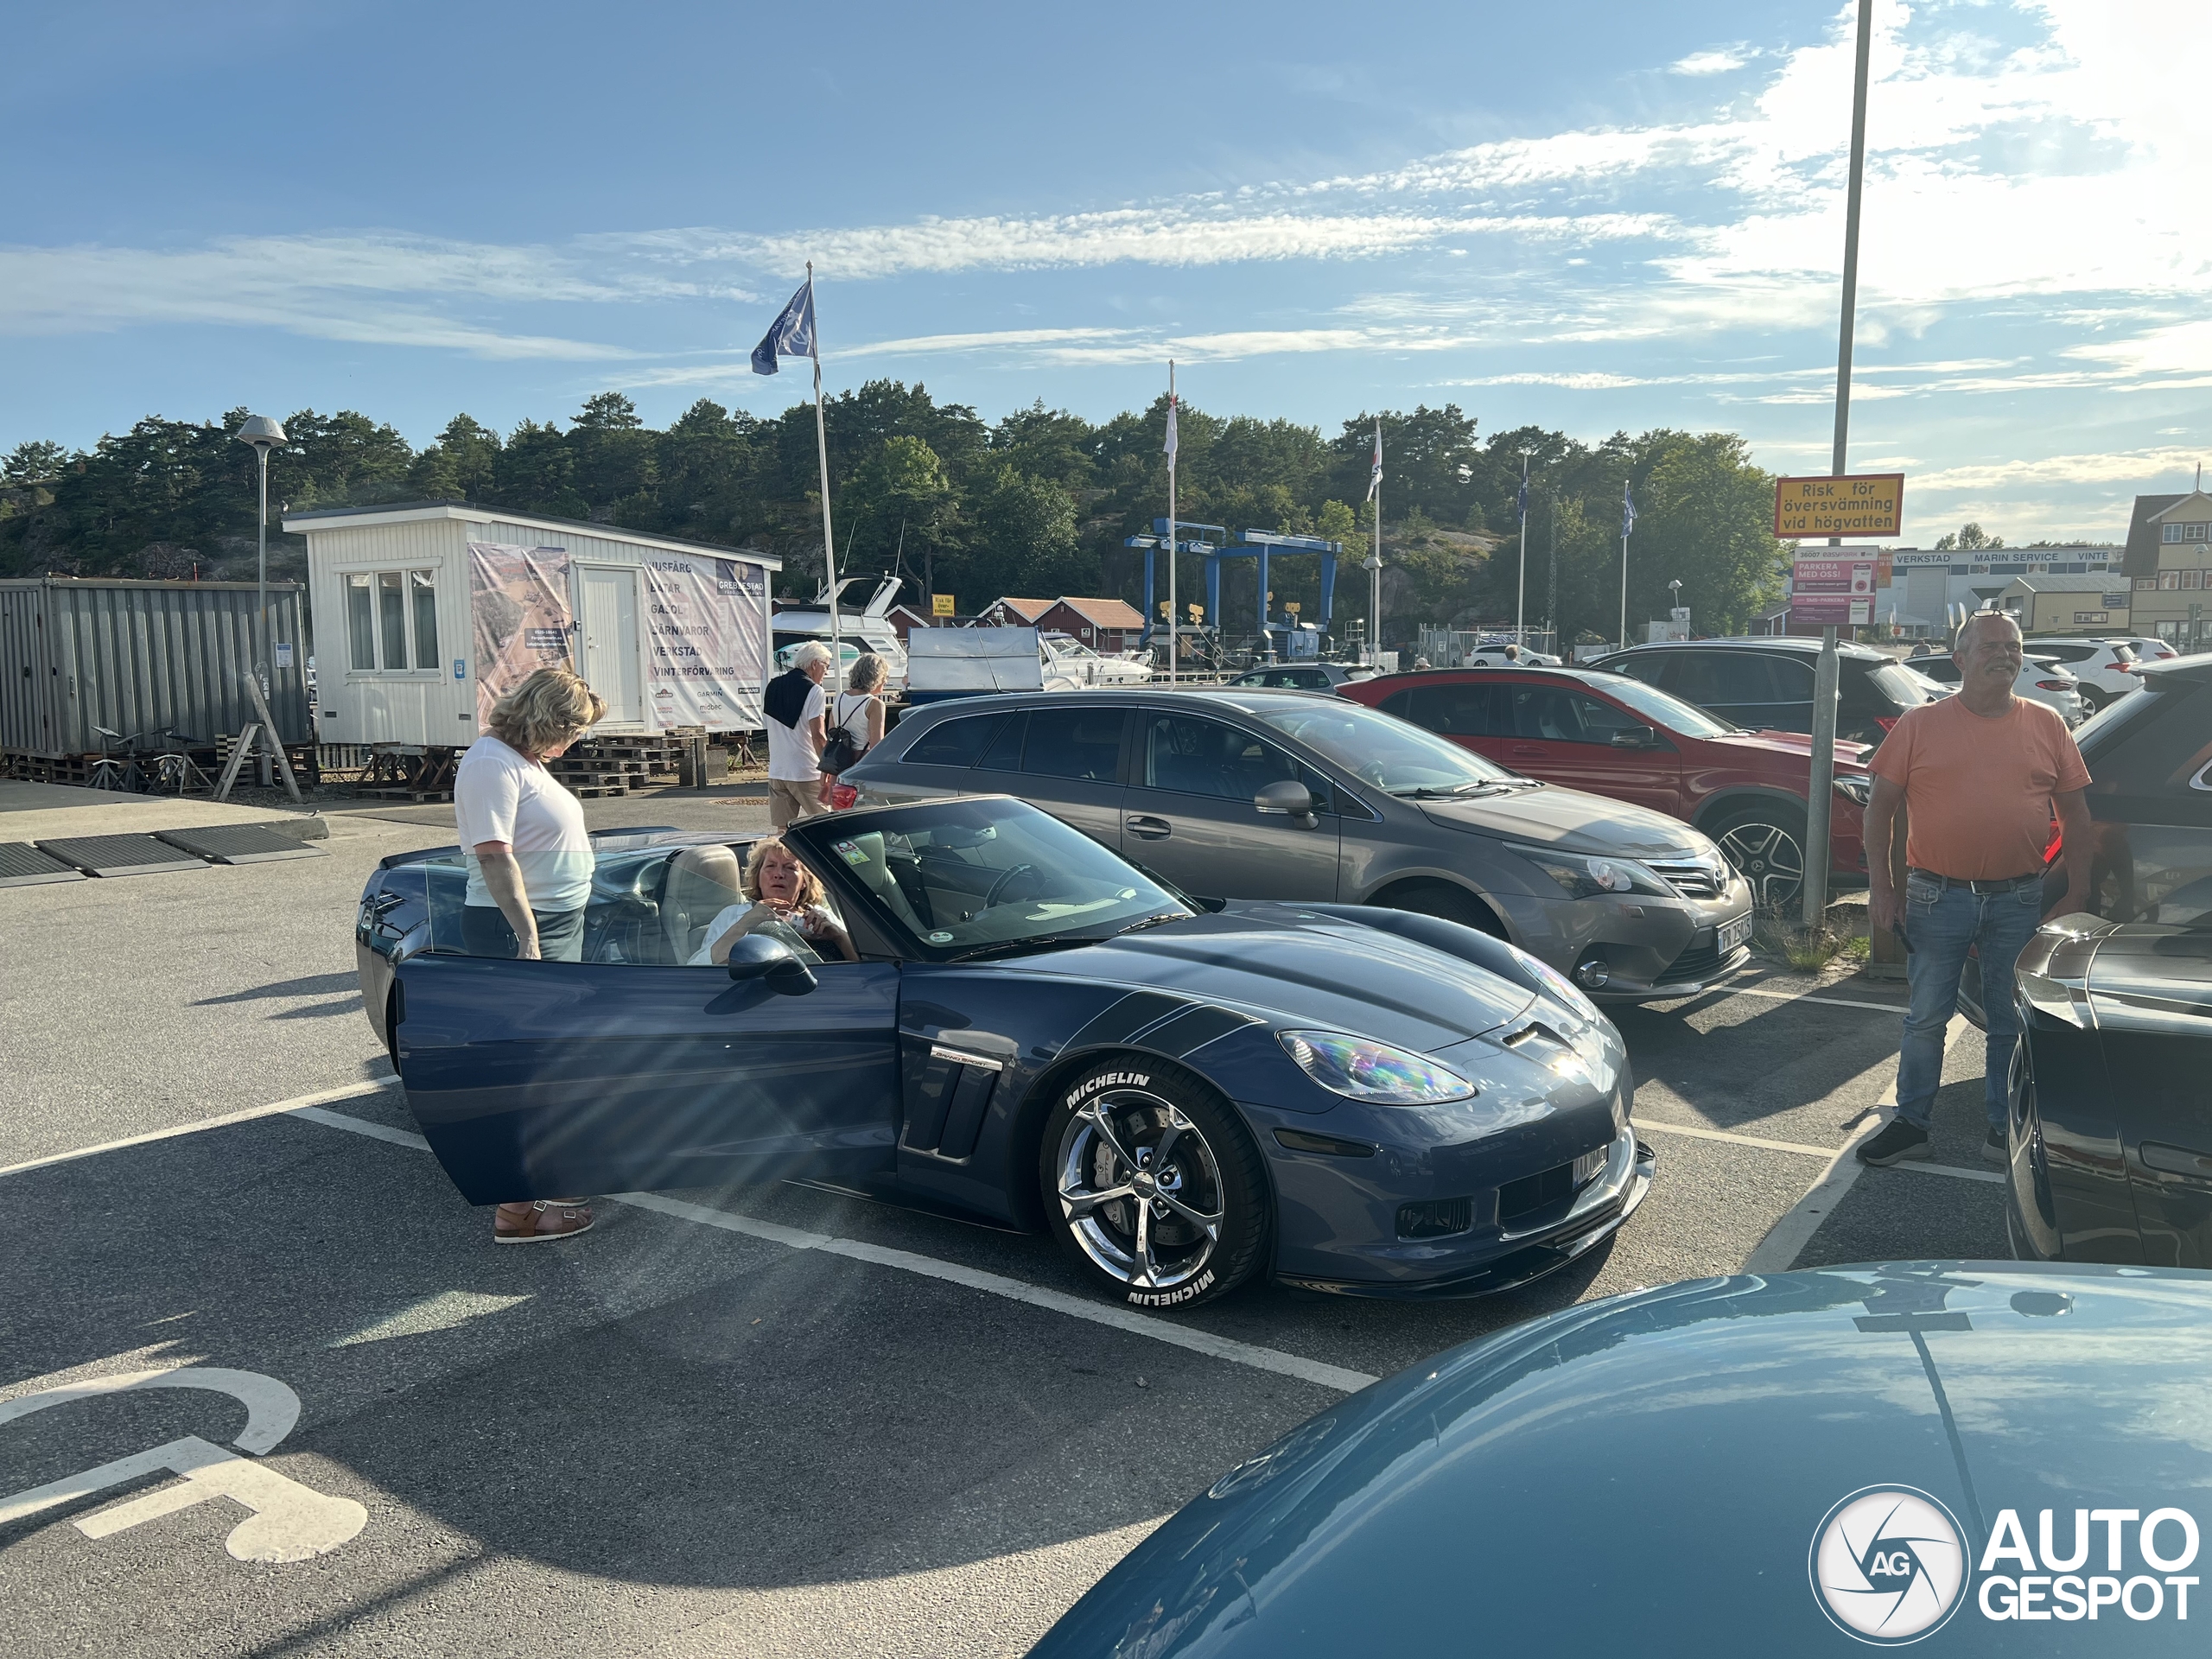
746 1421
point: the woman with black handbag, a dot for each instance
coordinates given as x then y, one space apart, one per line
854 726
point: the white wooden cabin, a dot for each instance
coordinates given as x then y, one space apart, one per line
425 612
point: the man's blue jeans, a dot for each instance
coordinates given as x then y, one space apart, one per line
1942 923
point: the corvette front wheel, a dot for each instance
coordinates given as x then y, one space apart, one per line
1153 1183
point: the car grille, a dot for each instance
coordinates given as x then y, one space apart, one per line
1533 1193
1701 877
1697 962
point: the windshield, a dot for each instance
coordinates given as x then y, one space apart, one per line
953 878
1664 709
1391 754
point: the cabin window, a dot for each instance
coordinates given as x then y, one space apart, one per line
391 621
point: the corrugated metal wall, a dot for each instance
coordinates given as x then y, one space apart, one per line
139 656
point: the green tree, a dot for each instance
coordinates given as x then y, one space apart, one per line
537 472
1970 539
462 465
35 461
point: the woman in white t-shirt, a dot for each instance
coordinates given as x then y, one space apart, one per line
859 715
530 865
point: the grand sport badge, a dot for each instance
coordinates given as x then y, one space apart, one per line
1888 1565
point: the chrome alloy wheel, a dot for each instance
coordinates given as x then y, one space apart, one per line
1140 1189
1769 858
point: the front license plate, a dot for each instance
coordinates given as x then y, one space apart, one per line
1734 933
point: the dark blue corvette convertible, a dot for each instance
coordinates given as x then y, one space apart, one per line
1992 1458
1038 1034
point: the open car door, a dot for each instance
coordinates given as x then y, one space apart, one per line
630 1070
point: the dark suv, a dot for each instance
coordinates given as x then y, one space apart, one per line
2150 798
1766 685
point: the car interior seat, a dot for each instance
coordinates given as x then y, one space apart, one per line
698 884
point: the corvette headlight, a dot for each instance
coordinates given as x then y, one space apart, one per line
1586 877
1857 787
1359 1068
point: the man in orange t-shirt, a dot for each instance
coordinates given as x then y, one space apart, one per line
1981 775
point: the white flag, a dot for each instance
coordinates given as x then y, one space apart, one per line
1170 430
1375 478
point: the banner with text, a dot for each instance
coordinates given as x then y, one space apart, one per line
707 627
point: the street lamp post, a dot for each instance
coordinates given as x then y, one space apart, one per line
264 435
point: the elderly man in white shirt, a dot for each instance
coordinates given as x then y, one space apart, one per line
792 706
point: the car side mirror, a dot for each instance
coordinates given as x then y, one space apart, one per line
756 956
1288 799
1635 737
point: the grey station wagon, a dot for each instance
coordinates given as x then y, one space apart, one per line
1269 794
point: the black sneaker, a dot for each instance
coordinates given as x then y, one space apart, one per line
1898 1141
1994 1148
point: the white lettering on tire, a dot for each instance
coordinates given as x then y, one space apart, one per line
1169 1298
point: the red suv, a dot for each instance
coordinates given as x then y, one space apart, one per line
1613 735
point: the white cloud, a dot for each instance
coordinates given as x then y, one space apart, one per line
365 289
1714 60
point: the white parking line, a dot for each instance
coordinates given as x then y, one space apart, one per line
1804 1150
1788 1237
350 1091
929 1267
1897 1008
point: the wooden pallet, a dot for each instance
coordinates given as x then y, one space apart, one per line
594 791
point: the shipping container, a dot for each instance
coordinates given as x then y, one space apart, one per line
427 611
141 658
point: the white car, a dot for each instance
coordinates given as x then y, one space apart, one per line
2040 681
2104 667
2150 650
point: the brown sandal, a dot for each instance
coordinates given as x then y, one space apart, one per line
534 1221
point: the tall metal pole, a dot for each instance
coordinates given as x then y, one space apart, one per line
1551 591
1821 785
1623 645
261 581
1851 243
261 652
1374 568
1174 616
1521 593
822 449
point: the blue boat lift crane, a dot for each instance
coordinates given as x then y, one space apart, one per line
1260 544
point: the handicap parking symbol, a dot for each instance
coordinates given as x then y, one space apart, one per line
288 1521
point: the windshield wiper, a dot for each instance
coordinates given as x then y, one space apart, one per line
1460 792
1010 947
1066 940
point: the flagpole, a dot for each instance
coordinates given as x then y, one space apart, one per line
1521 598
822 449
1174 615
1375 571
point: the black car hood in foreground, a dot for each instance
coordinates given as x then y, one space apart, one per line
1569 820
1723 1467
1310 969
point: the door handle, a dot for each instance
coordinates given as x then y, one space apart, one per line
1148 829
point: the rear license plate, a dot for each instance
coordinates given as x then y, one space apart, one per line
1733 934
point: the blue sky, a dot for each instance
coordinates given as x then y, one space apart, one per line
1588 215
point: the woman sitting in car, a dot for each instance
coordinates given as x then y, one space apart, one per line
782 891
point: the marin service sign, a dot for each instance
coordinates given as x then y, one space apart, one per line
1872 503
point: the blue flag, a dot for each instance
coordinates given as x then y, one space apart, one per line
1628 511
792 335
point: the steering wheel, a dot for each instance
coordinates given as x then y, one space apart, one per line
1374 773
1004 881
